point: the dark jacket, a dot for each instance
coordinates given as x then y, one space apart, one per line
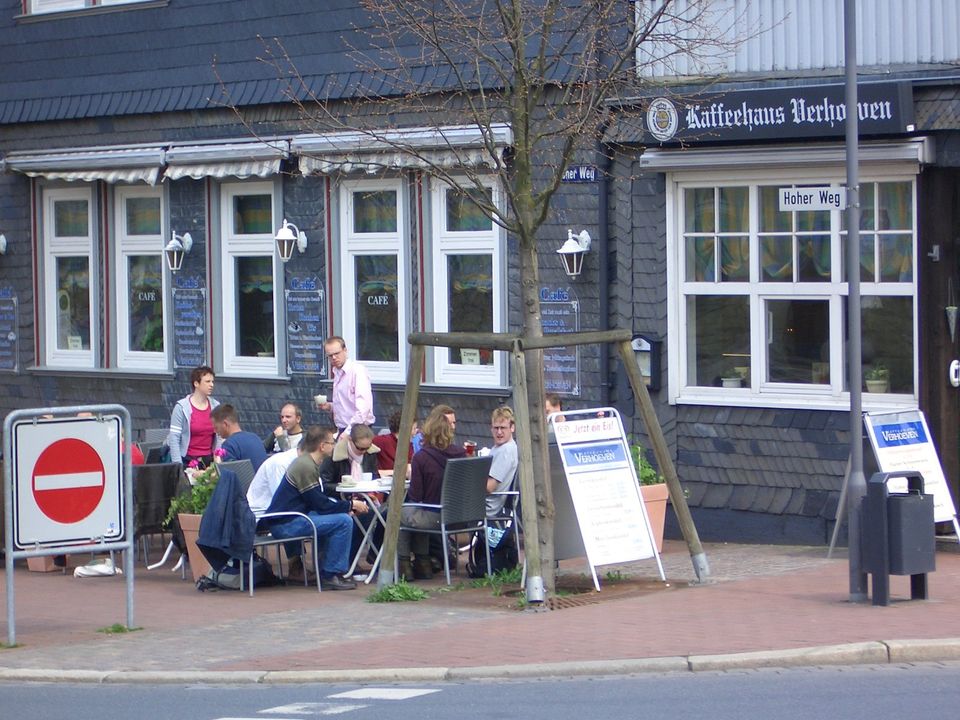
228 525
426 473
338 464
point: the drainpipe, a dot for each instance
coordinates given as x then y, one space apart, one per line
604 161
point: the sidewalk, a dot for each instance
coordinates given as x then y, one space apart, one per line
775 605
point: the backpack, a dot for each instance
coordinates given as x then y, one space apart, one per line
228 577
503 552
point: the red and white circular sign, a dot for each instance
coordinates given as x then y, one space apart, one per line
68 481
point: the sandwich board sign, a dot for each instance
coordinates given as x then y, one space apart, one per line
901 440
67 487
604 488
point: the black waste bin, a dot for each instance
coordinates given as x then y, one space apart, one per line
897 534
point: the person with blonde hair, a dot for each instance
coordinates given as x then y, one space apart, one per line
426 481
506 459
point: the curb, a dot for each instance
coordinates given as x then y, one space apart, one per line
880 652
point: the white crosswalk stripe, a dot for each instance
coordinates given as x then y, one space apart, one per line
372 693
312 708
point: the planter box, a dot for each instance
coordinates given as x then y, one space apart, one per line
655 501
41 564
190 525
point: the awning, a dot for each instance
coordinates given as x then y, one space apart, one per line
416 148
119 164
915 151
226 159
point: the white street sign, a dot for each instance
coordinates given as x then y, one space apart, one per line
813 198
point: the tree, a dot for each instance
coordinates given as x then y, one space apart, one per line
552 71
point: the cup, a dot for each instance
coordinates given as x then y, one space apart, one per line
347 480
320 399
470 448
366 477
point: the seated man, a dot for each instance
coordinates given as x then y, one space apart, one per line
288 433
506 459
238 444
267 479
354 454
300 491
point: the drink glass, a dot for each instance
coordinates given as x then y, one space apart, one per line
470 447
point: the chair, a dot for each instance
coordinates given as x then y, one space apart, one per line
243 469
265 538
154 486
154 436
462 505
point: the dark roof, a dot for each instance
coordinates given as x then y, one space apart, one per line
168 57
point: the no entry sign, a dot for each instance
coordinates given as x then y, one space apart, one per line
67 487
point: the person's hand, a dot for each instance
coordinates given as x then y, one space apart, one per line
278 431
327 406
360 507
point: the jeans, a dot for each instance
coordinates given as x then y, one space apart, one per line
336 528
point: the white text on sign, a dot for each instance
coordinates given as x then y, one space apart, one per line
813 198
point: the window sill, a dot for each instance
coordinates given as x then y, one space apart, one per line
94 10
740 398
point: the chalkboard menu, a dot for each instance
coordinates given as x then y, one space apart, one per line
560 310
189 324
9 337
305 327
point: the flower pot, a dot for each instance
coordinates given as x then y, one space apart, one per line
878 386
731 382
655 501
190 525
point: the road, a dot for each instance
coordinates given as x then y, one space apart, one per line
850 693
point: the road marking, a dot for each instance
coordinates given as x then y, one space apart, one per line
383 693
312 708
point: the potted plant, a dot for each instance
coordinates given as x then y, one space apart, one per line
188 508
265 343
877 378
731 379
653 489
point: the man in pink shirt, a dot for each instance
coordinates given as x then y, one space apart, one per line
352 399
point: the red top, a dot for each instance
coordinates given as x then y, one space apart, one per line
388 451
136 455
201 432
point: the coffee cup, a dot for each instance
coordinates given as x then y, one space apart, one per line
366 477
347 480
320 399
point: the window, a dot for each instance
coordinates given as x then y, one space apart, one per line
69 278
760 303
140 309
467 282
374 271
248 278
37 7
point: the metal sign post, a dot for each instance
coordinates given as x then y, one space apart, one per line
68 487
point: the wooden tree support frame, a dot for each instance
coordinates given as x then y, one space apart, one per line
516 346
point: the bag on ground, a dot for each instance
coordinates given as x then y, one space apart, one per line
503 552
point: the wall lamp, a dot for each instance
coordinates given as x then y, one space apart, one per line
288 236
178 246
3 244
573 251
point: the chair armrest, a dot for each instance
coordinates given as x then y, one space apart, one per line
429 506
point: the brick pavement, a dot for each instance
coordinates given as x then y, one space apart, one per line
762 598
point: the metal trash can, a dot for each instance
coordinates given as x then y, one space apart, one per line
897 534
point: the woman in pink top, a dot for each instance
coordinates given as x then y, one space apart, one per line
192 437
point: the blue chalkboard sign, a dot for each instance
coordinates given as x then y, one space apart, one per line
9 335
305 327
560 311
189 325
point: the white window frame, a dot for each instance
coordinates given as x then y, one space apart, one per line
353 245
41 7
126 246
758 393
447 243
54 248
233 246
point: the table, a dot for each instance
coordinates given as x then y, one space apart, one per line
366 490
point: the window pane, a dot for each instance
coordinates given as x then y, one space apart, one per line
896 258
463 215
252 215
813 220
735 258
700 259
896 208
734 209
70 218
867 259
883 318
776 255
798 341
771 218
698 204
254 305
814 258
470 285
375 211
719 338
145 274
143 216
378 324
867 209
73 303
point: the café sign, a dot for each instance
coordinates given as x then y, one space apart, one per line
814 111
